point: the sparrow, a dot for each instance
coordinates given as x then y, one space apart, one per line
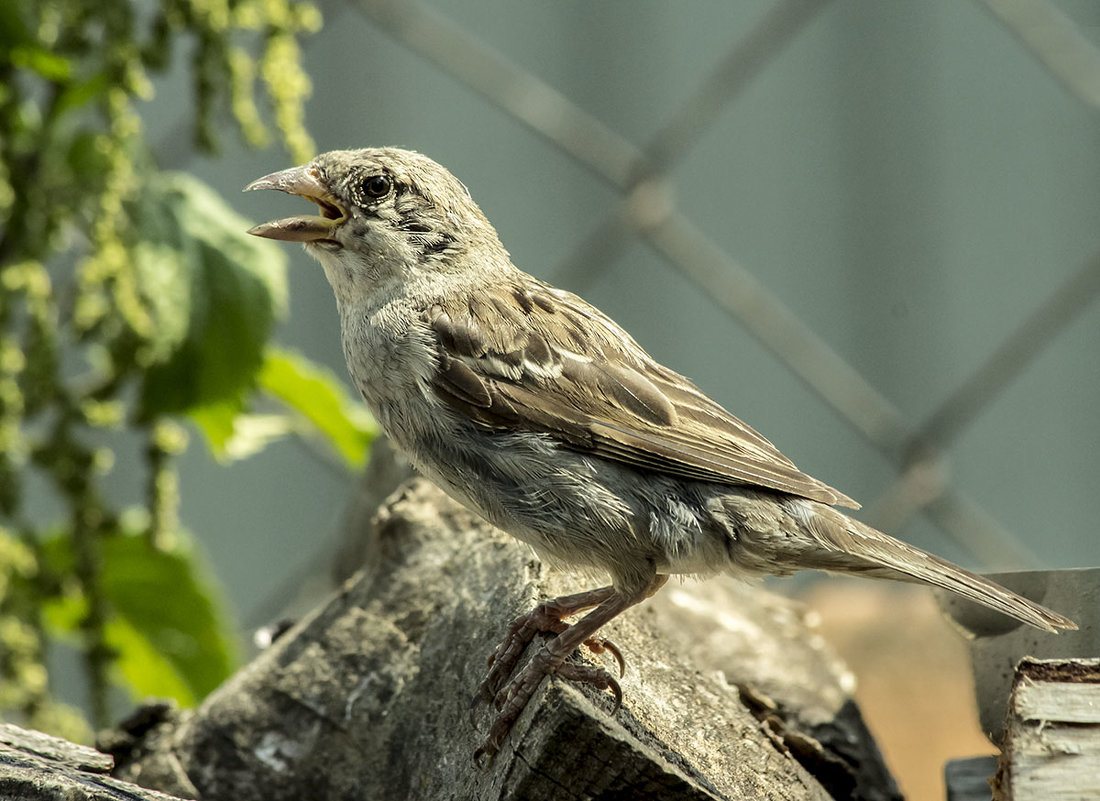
539 412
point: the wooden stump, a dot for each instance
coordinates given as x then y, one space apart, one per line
728 694
1051 748
36 766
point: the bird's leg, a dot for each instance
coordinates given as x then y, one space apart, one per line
511 700
547 616
597 645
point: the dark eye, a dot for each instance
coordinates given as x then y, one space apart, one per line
376 186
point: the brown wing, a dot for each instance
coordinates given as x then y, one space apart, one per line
534 358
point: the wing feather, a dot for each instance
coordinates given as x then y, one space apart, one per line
534 358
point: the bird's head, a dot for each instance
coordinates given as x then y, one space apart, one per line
383 213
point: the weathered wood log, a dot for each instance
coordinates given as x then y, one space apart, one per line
728 694
36 766
1051 748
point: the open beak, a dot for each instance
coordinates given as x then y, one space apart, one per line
305 182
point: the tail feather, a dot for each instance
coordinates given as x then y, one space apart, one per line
849 546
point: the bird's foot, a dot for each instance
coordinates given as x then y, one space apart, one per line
545 618
514 697
508 689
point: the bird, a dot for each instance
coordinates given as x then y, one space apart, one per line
536 410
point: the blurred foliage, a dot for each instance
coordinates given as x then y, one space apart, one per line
323 407
131 300
180 650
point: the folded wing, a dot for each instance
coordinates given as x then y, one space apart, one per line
538 359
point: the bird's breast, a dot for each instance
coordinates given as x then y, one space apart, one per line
390 355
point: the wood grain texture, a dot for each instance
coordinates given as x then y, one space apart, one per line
369 696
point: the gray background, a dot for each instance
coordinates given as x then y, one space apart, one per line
906 177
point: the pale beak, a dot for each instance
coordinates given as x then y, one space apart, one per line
305 182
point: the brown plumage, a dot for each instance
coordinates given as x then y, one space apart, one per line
558 366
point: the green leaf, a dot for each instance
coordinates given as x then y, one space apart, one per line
254 432
213 292
147 672
49 65
171 606
165 619
63 614
322 404
217 421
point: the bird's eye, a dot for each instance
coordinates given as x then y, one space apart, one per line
376 186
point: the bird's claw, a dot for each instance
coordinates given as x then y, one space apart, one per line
502 663
508 689
510 701
595 676
598 645
483 757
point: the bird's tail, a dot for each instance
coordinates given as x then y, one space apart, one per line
841 544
